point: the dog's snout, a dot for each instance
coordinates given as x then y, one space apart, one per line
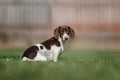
66 38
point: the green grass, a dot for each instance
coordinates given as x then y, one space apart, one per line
72 65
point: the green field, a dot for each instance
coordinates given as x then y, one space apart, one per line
73 65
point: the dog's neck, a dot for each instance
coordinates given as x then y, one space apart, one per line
61 42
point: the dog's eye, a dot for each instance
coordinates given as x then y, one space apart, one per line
67 32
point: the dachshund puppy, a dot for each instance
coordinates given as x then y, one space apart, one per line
50 49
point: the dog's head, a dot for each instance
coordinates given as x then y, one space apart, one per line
64 32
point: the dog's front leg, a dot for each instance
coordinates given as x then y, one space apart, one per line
55 58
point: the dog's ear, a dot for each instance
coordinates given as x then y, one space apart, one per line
72 33
56 32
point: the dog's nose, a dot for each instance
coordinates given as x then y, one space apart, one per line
66 38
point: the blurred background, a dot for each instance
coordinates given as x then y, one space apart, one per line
26 22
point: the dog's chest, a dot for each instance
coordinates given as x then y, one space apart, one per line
54 50
57 49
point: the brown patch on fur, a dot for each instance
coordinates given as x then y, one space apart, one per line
31 52
71 32
51 41
56 32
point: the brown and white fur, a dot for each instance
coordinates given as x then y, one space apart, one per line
50 49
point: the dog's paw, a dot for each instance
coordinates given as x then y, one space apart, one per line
55 60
